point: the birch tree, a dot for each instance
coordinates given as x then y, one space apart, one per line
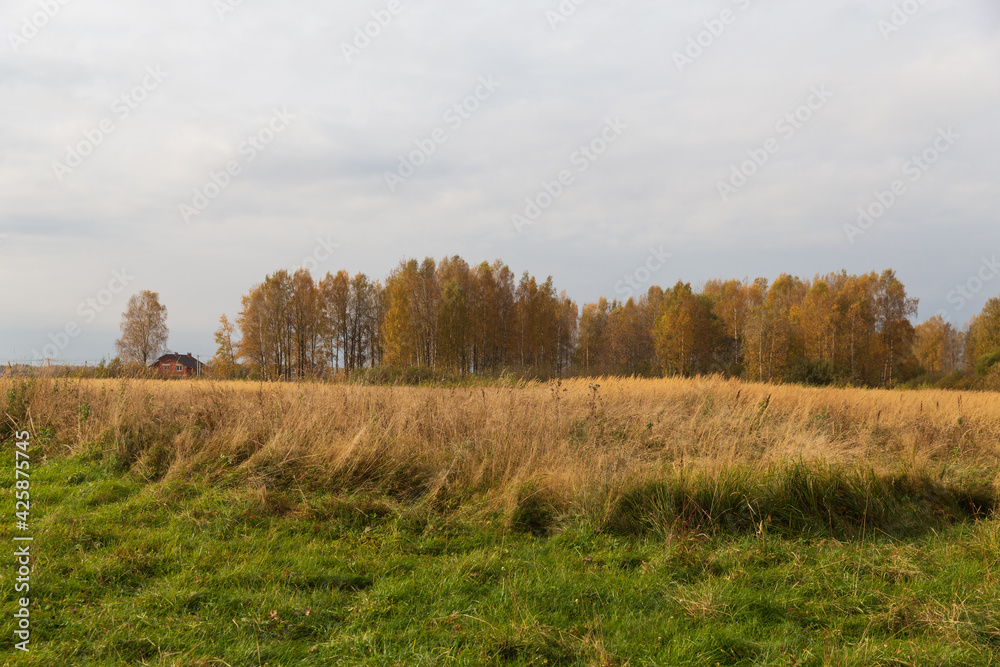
144 329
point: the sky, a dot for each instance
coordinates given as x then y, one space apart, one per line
192 148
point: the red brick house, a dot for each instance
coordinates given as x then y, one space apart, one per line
178 365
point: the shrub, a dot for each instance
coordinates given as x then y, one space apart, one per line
814 373
987 362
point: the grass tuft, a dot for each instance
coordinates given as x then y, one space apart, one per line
799 498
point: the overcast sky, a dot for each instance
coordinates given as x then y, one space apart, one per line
115 115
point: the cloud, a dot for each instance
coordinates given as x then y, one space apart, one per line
326 173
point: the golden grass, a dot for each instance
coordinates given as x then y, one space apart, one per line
573 440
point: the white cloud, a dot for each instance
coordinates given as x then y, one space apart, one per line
324 175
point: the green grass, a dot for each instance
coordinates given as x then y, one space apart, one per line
187 573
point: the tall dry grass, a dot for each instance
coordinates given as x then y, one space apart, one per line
578 443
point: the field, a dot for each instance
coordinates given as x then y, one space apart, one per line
604 522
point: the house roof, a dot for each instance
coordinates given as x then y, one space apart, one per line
185 360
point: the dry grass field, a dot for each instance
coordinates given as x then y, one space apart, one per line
576 444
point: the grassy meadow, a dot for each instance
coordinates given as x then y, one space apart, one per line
598 523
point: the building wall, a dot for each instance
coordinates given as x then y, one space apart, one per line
169 369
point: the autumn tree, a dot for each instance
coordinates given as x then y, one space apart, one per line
814 319
628 339
334 296
224 364
984 335
687 332
568 328
378 302
450 315
362 325
730 303
757 333
254 340
854 302
267 332
937 345
893 310
305 314
591 350
144 329
493 318
398 327
537 312
457 291
424 304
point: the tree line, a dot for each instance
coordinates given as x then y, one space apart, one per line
438 315
449 316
